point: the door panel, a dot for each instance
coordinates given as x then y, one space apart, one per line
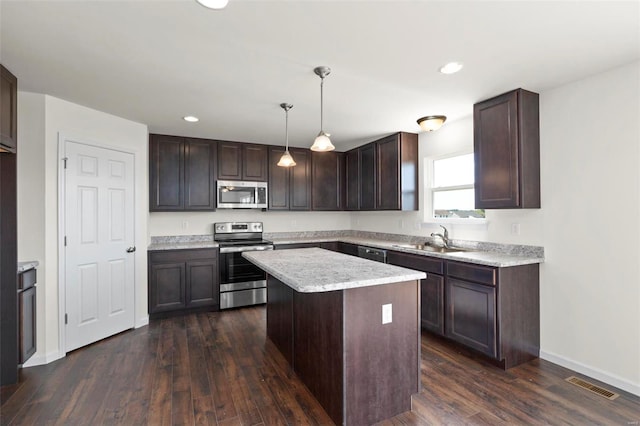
98 225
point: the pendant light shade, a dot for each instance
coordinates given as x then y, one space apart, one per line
322 143
286 160
431 122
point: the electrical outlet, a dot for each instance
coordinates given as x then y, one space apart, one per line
387 313
401 224
515 228
185 225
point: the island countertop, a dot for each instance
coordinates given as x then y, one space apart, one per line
314 270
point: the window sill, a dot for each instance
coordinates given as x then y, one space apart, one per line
455 221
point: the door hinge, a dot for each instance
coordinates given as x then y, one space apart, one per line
65 161
66 319
65 240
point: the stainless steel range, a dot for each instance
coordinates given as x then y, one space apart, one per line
241 282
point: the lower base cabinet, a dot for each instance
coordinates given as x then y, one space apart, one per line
182 280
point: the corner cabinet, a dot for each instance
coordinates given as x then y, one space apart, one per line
383 175
242 161
181 280
181 174
507 151
290 187
9 109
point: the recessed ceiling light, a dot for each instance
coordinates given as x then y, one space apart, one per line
190 118
451 68
214 4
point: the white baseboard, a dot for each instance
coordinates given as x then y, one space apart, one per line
141 322
595 373
41 359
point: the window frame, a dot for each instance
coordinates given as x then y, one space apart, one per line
429 191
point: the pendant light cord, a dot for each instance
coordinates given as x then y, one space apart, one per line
286 129
322 104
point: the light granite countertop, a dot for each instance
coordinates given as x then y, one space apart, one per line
26 265
478 252
314 270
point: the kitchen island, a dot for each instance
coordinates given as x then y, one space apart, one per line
349 328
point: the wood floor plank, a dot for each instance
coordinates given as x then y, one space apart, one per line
219 368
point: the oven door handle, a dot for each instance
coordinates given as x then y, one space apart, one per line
245 248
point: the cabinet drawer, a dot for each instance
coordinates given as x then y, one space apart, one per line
27 279
480 274
182 255
420 263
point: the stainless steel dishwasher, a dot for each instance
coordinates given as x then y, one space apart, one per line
378 255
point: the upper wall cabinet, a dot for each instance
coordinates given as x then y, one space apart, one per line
397 177
8 111
327 180
242 161
290 187
181 174
507 151
383 175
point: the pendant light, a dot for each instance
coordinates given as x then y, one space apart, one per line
431 122
322 143
286 160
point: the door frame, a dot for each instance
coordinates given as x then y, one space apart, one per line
62 283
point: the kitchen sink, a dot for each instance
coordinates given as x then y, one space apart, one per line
427 247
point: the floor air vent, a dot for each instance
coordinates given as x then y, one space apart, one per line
592 388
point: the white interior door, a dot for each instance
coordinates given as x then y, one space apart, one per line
99 261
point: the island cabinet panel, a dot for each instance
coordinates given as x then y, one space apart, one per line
318 351
352 180
375 352
242 161
507 151
280 317
327 180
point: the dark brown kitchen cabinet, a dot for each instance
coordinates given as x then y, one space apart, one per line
471 315
495 311
327 180
431 287
352 180
242 161
181 280
348 248
507 151
290 187
181 174
367 176
397 172
26 315
8 111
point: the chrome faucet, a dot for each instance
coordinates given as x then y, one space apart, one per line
444 236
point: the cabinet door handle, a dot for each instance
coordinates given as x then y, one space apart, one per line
131 249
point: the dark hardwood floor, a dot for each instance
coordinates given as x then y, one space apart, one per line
218 368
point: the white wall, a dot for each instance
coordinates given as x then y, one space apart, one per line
200 223
589 223
83 124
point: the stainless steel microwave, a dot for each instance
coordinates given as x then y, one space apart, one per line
242 195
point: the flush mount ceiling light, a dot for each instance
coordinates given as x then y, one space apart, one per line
191 119
322 143
286 160
214 4
431 122
451 68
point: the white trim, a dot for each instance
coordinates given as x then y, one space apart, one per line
62 284
43 359
603 376
141 322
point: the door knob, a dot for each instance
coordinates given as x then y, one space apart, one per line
131 249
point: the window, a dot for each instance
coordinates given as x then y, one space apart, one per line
451 186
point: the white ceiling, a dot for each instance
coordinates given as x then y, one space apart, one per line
156 61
